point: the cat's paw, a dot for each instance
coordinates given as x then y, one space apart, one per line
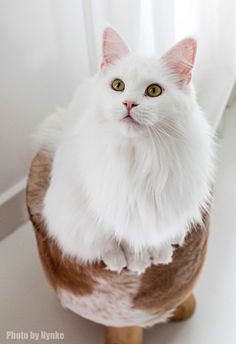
137 262
117 258
140 262
162 255
114 258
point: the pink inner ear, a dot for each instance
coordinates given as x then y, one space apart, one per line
181 59
114 47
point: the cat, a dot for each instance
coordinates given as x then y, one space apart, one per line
133 159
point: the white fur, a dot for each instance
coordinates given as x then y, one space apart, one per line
50 130
114 182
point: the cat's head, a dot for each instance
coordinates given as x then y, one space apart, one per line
138 95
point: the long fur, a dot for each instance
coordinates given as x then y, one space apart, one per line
110 181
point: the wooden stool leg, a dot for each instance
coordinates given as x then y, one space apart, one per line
123 335
185 309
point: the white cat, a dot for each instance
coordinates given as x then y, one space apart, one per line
133 161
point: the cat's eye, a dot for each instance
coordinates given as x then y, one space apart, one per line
118 85
153 90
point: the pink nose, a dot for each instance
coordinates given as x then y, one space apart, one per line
129 104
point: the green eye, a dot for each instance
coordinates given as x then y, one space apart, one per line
118 85
153 90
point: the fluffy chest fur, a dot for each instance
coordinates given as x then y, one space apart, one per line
145 191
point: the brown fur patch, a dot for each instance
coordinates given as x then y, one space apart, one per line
162 287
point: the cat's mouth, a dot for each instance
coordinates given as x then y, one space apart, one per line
129 119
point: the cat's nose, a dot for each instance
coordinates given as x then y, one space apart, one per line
129 104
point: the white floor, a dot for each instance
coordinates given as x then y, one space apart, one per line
28 304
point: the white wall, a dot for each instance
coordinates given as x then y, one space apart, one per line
39 68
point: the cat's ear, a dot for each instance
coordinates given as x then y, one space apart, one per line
114 47
181 59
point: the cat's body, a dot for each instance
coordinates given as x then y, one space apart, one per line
130 172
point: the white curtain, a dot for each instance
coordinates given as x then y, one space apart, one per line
152 26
